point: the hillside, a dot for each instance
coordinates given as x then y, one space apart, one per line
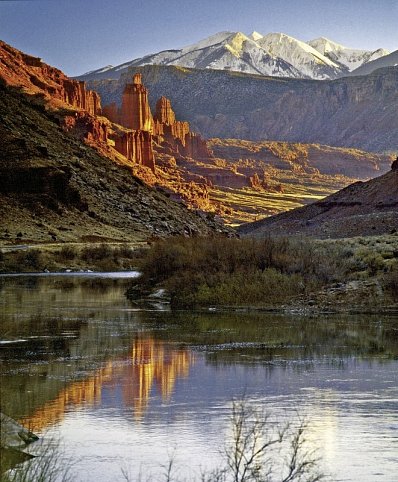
355 111
54 187
361 209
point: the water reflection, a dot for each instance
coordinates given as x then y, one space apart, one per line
80 359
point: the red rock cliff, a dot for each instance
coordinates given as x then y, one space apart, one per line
178 133
136 146
164 113
35 77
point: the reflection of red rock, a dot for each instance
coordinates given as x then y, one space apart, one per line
152 363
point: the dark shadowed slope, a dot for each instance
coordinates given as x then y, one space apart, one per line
361 209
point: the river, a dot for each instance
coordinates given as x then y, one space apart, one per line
124 388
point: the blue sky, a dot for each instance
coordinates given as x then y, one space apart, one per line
81 35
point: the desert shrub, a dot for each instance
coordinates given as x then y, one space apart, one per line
374 263
96 253
124 251
390 282
202 271
28 260
67 253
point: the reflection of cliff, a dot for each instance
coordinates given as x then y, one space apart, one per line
151 364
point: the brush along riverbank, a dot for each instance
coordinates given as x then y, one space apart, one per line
358 274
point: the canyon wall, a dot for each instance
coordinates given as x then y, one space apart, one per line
18 69
359 112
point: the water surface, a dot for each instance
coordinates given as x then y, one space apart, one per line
125 387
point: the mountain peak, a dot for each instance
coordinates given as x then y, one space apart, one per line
255 36
324 45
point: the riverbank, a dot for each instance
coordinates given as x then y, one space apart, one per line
289 275
70 257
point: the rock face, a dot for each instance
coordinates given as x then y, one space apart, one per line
135 112
164 113
54 186
177 134
13 434
135 115
34 76
136 146
355 112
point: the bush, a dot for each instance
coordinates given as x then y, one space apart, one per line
390 282
202 271
67 253
96 253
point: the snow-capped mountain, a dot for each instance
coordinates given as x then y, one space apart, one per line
390 60
346 57
274 54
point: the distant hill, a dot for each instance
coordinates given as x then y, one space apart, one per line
361 209
358 111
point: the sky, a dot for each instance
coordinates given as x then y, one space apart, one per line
81 35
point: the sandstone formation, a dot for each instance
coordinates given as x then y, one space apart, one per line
53 186
35 77
172 135
93 128
177 134
136 146
135 115
135 112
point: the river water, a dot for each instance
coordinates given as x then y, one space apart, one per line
124 388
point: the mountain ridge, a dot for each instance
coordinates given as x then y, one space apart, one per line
275 54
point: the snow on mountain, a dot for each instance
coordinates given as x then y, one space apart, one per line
223 51
255 36
390 60
274 54
306 59
346 57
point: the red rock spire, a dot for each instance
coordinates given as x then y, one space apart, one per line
135 112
